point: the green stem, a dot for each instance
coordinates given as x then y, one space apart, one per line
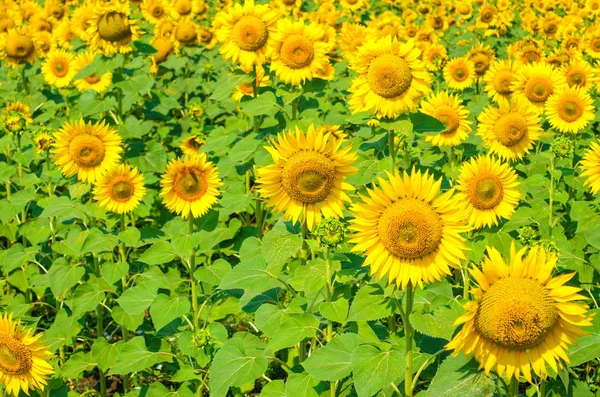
465 273
408 334
304 259
550 195
255 119
392 148
124 332
514 387
542 391
329 290
423 366
100 327
194 292
24 80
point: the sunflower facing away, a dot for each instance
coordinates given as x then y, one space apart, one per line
307 179
86 149
509 130
246 32
590 164
190 185
391 79
112 30
459 73
23 358
535 83
58 68
17 46
120 189
449 110
408 230
522 318
489 189
570 109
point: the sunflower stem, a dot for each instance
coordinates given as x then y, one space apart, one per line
194 291
124 332
514 387
550 195
408 335
328 276
392 148
304 259
254 95
100 327
24 80
424 365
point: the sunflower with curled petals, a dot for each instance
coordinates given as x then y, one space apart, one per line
246 33
391 79
590 164
112 29
307 180
408 230
448 109
489 189
522 319
570 109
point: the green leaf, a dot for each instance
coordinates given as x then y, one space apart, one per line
97 242
77 364
293 329
63 276
130 322
143 48
425 124
130 236
134 357
373 369
165 309
250 275
334 361
265 104
588 347
280 244
273 389
158 253
301 385
459 377
137 299
85 298
437 324
157 389
63 207
213 274
104 353
335 311
370 304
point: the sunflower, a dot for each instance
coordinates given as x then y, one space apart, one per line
334 129
352 36
246 32
579 73
590 164
489 189
120 189
307 179
192 144
58 68
550 24
155 11
86 149
522 318
449 110
164 46
17 46
187 32
20 107
81 20
535 83
435 56
408 230
498 81
112 30
93 81
298 51
570 109
391 79
189 185
43 141
459 73
187 8
64 34
246 88
208 37
482 56
509 130
23 358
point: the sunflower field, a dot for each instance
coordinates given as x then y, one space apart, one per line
299 198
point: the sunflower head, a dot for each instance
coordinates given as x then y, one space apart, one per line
120 189
43 141
18 46
14 122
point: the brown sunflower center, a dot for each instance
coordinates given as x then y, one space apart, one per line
157 10
448 116
308 177
114 26
183 7
486 191
92 78
19 47
510 129
538 89
250 33
516 313
596 45
288 2
297 51
460 73
190 184
550 27
87 150
206 36
60 67
531 56
410 229
5 24
503 81
576 79
351 2
389 75
186 32
15 357
570 110
487 15
122 190
482 63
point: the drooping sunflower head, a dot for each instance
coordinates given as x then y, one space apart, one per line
535 83
190 185
120 189
498 81
23 358
93 81
86 149
449 110
307 179
187 32
14 122
590 164
409 231
522 318
17 47
58 68
43 141
164 46
570 109
112 30
459 73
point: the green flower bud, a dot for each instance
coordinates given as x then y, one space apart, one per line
15 122
562 146
330 232
527 234
201 337
548 245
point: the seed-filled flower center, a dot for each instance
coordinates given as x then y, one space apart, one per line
570 110
157 10
92 78
487 15
460 73
250 33
186 32
113 27
60 67
289 2
448 116
486 191
482 63
297 51
531 56
510 129
576 79
550 27
122 189
87 150
516 313
538 89
15 357
20 47
503 82
410 229
190 184
389 75
183 7
308 177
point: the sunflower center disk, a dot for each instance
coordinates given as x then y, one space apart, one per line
538 90
389 75
87 150
190 184
550 27
308 177
60 68
460 73
410 229
157 11
570 110
510 128
576 79
297 51
482 63
19 48
113 27
449 118
486 191
183 7
250 33
92 78
502 83
15 358
516 313
288 2
122 190
487 16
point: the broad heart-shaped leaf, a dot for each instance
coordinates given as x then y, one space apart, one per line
158 253
335 311
334 361
437 324
293 329
76 364
588 347
374 369
250 275
235 365
266 103
458 377
370 304
134 357
425 124
104 353
157 389
273 389
213 274
301 385
85 298
280 244
165 309
63 276
137 299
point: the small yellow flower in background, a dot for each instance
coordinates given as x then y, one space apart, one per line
459 73
522 319
448 109
570 109
120 189
23 358
482 56
14 122
93 81
43 141
156 10
189 185
590 164
247 88
192 144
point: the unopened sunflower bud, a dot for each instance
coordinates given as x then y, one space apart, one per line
43 141
330 232
15 122
195 111
527 234
201 337
562 146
